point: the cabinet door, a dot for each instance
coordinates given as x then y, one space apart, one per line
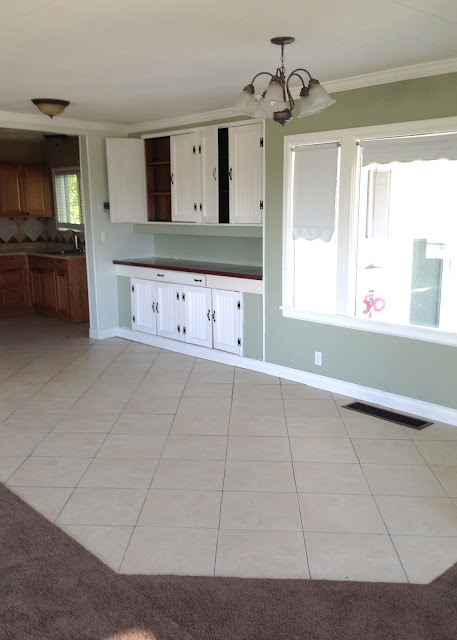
49 291
167 310
209 211
143 298
36 286
185 175
126 179
62 295
245 174
10 190
196 316
37 190
227 320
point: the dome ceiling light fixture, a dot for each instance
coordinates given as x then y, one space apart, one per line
50 106
277 103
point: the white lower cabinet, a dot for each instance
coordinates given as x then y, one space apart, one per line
226 320
167 310
143 296
196 315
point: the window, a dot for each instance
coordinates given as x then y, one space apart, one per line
67 192
390 265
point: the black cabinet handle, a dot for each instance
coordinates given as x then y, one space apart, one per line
214 316
157 307
208 315
230 173
198 280
161 275
214 173
171 179
195 206
153 307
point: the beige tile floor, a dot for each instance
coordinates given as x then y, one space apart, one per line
163 463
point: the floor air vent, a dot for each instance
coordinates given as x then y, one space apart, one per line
385 414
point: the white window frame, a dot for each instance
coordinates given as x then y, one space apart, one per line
347 227
62 225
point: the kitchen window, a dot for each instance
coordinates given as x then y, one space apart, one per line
67 193
386 259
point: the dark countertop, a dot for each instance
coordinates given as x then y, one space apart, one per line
194 266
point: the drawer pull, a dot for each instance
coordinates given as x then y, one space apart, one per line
161 275
198 280
208 315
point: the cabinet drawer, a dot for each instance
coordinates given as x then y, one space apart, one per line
179 277
12 262
48 264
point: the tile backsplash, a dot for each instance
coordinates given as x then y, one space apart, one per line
31 229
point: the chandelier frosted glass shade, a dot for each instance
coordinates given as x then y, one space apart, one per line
316 101
247 103
277 102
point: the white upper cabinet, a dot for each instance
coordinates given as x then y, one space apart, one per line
126 179
245 174
227 320
185 177
196 316
209 206
143 298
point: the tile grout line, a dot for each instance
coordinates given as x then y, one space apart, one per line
134 527
93 458
296 487
223 477
373 497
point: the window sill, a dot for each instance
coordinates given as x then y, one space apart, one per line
374 326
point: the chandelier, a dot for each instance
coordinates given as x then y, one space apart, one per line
277 103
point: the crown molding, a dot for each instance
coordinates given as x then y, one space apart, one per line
37 122
179 121
10 119
438 67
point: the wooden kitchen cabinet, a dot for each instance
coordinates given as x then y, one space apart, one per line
14 286
26 190
59 288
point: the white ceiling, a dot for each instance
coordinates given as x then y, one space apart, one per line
130 61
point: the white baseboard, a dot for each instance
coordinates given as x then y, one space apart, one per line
359 392
102 334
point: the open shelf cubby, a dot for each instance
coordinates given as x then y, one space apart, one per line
158 179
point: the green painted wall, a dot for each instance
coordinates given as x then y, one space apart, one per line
124 302
253 326
231 250
412 368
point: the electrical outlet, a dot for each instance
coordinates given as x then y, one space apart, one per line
318 358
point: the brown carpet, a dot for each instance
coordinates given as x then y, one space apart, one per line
51 588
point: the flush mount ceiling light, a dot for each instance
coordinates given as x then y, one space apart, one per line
49 106
277 103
